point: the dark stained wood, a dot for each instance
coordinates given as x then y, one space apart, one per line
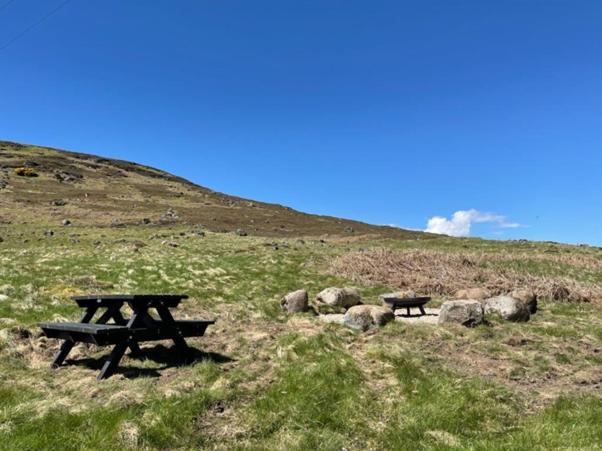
125 332
395 303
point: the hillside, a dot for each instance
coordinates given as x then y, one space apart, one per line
91 190
263 377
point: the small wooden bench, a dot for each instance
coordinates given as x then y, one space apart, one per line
124 332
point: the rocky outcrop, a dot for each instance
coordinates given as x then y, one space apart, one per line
466 312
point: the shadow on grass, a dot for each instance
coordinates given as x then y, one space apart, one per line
167 356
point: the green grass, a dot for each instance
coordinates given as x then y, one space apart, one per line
277 382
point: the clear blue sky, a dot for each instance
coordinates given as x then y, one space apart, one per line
390 112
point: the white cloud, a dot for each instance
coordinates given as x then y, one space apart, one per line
461 221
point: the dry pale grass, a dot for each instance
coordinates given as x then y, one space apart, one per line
440 273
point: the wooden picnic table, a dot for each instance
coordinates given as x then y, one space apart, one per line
124 332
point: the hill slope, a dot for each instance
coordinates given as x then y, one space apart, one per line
91 190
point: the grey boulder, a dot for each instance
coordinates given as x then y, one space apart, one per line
528 297
466 312
508 308
364 317
296 301
337 299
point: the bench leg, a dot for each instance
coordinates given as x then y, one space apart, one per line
422 310
119 319
62 354
176 335
408 310
113 360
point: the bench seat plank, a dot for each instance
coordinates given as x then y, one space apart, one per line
107 334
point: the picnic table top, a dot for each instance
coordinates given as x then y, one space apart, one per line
129 297
141 300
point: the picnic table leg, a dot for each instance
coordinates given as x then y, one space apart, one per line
408 310
67 345
62 354
113 312
134 347
176 335
422 310
113 360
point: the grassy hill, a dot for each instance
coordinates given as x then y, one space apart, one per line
88 190
265 379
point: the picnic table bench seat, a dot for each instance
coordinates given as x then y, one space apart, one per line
106 334
124 332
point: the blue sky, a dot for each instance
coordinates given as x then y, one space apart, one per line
390 112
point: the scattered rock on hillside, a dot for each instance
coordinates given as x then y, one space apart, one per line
477 294
508 308
169 216
466 312
68 176
337 298
349 229
528 297
25 172
48 232
117 223
364 317
145 221
3 184
296 301
169 243
241 232
58 203
3 297
66 222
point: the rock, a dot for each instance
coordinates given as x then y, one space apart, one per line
145 221
68 176
296 301
48 232
58 203
349 229
507 307
26 172
364 317
241 232
528 297
1 239
3 184
337 298
3 297
169 243
333 318
477 294
466 312
66 222
117 223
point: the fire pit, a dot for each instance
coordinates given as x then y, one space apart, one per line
394 302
